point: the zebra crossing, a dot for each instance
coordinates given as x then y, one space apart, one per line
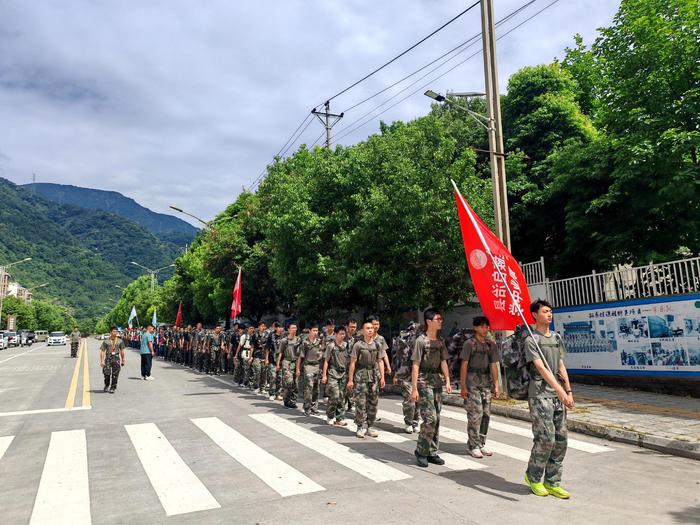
63 493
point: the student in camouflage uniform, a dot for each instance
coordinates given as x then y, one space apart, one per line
381 341
478 378
273 345
215 342
286 359
243 354
308 362
549 396
403 350
365 379
428 375
350 337
111 359
257 359
187 346
197 341
74 341
335 362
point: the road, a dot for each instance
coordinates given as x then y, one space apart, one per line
189 448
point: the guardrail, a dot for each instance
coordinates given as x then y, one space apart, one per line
626 282
534 272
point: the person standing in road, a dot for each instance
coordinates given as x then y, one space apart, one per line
429 373
549 395
365 379
74 341
111 359
335 362
310 355
286 359
478 378
147 352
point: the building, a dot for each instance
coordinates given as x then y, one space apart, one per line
18 291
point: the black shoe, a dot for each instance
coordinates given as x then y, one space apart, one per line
111 391
421 461
105 388
436 460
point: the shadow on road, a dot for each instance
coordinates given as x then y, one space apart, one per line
686 515
488 483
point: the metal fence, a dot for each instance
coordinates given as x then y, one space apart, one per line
534 272
627 282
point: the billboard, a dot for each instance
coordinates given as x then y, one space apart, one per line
658 336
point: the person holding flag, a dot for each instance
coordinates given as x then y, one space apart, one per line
503 294
132 316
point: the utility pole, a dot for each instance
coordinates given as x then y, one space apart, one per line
328 120
495 129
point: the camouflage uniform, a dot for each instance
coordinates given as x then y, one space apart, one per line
243 360
74 342
288 350
479 357
259 342
311 353
402 350
214 352
429 356
336 379
548 414
273 378
112 361
366 381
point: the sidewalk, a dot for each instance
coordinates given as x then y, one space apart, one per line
666 423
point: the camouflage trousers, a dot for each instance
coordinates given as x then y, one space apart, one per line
111 372
410 412
255 373
238 370
311 382
289 385
549 440
429 406
213 357
337 392
365 396
273 377
478 407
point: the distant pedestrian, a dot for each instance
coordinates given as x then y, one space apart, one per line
549 396
111 359
147 352
74 341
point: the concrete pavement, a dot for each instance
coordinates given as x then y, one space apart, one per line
171 451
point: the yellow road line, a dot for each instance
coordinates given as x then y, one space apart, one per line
86 376
70 400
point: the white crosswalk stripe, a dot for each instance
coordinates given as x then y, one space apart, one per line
452 461
282 478
363 465
64 492
179 490
461 437
5 442
577 444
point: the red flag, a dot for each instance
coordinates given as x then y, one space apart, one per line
178 319
498 280
236 304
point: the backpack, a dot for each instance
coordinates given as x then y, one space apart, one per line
402 349
515 365
454 350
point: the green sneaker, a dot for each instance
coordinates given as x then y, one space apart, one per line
557 492
536 488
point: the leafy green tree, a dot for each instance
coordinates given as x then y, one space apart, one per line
22 309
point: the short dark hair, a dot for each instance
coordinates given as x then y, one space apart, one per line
112 328
275 325
312 326
480 320
351 320
261 323
339 328
329 322
430 314
371 318
293 323
539 303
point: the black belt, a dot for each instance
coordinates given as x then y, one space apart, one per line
312 363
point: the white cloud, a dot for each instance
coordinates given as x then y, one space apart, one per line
185 102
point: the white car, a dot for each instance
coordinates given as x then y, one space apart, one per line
2 341
56 339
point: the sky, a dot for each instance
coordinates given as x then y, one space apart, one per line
185 102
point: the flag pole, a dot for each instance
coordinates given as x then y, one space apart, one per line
501 275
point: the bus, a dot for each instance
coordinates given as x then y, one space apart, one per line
41 335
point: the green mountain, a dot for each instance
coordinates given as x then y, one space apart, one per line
82 254
165 227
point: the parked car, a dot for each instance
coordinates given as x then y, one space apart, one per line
3 344
56 339
26 337
41 335
11 338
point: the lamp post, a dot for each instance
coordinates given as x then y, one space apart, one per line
153 273
3 273
207 224
495 151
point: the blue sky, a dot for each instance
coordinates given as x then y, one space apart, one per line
178 101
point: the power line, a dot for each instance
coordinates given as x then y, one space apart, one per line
346 131
443 26
505 19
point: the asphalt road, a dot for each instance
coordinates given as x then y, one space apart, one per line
188 448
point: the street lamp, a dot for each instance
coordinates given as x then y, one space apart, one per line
3 273
153 273
38 286
483 120
207 224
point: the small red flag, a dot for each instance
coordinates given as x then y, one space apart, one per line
498 279
236 304
178 319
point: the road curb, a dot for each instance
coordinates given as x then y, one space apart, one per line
674 447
